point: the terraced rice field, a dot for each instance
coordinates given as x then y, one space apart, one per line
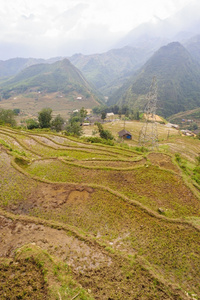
100 222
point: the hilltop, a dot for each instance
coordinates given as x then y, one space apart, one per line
44 85
178 76
108 71
59 76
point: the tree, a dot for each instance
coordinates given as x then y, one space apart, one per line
103 115
125 110
96 110
7 116
104 134
74 128
16 111
44 117
57 123
83 113
115 109
32 124
194 126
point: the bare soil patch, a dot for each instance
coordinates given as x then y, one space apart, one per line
107 277
163 161
22 279
48 196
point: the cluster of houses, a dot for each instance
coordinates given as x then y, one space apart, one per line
190 133
124 134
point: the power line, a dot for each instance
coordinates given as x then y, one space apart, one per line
148 135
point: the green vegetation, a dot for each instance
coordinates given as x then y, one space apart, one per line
104 134
32 124
57 123
103 217
44 117
108 71
178 82
75 122
60 76
7 117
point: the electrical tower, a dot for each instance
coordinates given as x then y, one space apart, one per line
148 134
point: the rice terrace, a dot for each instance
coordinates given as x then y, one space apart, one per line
93 221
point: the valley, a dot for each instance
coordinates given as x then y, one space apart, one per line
86 210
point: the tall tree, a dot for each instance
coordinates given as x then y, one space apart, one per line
44 117
57 123
7 116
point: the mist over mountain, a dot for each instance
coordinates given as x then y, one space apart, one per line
109 70
156 33
178 76
124 73
193 46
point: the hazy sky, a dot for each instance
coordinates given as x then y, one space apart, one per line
56 28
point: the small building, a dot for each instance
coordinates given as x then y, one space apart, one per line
187 132
125 134
110 115
79 98
170 125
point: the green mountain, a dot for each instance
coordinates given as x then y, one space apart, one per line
108 71
178 76
60 76
188 119
13 66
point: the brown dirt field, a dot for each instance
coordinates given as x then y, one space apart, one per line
108 274
107 277
53 196
22 279
156 185
163 161
157 118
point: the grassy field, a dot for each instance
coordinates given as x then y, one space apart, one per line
32 102
100 222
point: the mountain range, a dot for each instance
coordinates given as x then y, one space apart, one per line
108 71
178 77
168 49
60 76
180 27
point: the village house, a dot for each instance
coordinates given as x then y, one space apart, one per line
125 134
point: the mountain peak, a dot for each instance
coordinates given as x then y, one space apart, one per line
178 78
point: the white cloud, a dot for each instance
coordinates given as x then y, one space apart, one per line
38 24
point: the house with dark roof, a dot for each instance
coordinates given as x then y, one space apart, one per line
125 134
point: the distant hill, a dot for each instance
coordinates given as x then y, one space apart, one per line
109 70
60 76
178 76
13 66
187 117
60 86
106 71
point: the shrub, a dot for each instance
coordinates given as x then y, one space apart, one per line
95 139
104 134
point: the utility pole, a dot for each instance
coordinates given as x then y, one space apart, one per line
148 134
